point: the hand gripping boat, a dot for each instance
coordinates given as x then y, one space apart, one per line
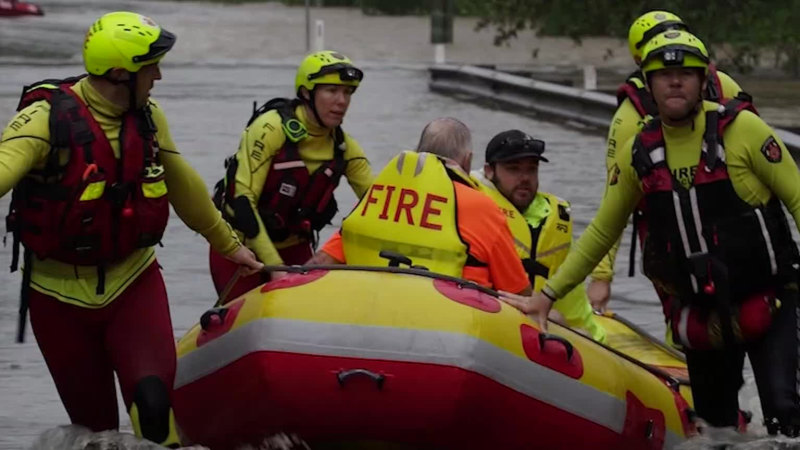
402 358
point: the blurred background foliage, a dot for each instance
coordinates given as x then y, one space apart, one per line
739 33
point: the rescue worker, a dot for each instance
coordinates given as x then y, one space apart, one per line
278 187
719 246
540 223
425 206
93 170
634 105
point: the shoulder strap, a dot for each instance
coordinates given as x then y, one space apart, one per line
713 85
635 90
716 122
648 140
294 130
43 90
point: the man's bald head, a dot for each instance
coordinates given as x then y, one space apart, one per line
450 138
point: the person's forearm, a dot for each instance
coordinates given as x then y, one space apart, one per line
191 201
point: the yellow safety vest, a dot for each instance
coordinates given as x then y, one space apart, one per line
409 209
553 239
553 236
520 230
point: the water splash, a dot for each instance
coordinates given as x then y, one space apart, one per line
74 437
729 439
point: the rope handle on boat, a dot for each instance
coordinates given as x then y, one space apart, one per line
544 337
222 300
344 375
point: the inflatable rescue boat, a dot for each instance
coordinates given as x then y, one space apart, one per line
409 359
15 8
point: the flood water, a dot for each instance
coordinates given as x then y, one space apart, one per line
226 58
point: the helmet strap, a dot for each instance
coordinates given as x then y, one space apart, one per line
312 103
132 91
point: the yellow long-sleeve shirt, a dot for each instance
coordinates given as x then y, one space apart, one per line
755 179
261 141
625 124
24 146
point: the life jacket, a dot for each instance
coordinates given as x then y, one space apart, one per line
520 230
634 88
410 209
91 209
293 201
706 247
551 240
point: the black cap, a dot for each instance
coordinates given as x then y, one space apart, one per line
514 144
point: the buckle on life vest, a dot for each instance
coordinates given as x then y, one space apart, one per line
294 130
119 194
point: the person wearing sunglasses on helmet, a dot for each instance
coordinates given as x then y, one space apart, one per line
718 242
539 222
278 187
93 170
635 104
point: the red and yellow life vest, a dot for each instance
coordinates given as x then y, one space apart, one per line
92 209
709 251
293 201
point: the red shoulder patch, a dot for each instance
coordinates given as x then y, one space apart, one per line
771 150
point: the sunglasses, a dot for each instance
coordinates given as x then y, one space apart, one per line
346 72
523 145
660 28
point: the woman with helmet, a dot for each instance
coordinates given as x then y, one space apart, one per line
278 188
634 104
93 170
715 178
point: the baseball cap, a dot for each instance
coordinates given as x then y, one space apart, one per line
514 144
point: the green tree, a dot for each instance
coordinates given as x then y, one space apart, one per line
738 32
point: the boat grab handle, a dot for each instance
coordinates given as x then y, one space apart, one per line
544 337
212 318
343 375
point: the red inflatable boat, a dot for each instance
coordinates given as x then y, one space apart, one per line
376 359
15 9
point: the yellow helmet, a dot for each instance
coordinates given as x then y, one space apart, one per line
674 48
124 40
648 26
326 67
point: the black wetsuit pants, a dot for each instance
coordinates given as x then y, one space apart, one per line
716 375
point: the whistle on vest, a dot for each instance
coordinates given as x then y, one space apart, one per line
89 171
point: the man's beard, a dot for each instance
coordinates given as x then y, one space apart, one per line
520 208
